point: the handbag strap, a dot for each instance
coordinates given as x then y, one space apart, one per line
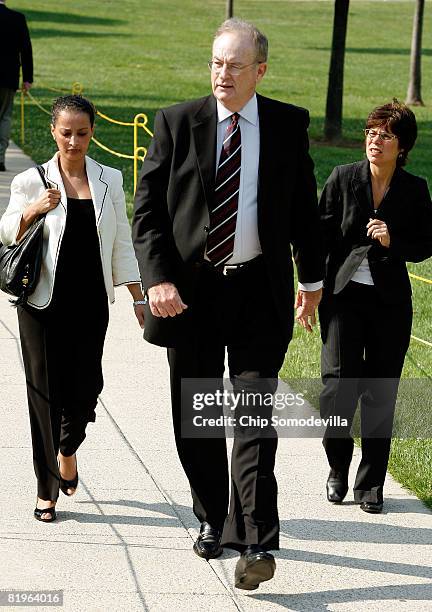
41 171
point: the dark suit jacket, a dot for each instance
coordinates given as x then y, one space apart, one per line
15 48
176 191
346 206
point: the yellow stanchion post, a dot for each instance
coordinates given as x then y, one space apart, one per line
22 118
77 88
139 154
140 120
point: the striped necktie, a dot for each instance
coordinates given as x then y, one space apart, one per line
223 217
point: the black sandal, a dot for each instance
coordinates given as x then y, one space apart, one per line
51 511
69 484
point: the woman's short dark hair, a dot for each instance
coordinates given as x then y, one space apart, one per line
399 120
73 103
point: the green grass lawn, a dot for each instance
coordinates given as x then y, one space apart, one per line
151 54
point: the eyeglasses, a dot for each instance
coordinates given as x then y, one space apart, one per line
384 136
234 70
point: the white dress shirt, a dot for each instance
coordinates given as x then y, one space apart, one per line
363 274
246 240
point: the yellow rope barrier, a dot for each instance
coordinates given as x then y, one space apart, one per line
36 103
76 90
421 340
62 91
140 121
116 153
111 120
142 124
420 278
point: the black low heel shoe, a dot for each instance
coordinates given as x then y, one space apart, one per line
51 511
69 484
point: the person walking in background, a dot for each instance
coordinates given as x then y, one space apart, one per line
15 51
375 217
226 188
87 251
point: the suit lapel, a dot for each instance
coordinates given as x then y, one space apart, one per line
266 159
98 185
274 156
362 188
52 174
204 134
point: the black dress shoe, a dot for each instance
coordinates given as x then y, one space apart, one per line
254 566
207 544
337 487
371 507
2 168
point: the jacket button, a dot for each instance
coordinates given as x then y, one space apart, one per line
206 228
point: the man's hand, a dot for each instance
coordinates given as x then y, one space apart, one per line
26 86
165 300
379 231
306 304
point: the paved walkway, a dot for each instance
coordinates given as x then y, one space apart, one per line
123 542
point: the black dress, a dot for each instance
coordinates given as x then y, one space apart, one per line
62 348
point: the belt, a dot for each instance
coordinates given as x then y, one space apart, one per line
233 269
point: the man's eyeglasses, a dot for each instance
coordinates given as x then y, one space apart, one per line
216 67
384 136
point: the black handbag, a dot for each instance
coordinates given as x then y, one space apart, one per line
20 264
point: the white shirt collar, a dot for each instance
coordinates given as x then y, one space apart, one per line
248 112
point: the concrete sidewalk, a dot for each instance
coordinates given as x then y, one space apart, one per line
124 541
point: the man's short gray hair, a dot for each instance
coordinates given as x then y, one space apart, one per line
244 27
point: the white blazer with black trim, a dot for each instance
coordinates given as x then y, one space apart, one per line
106 186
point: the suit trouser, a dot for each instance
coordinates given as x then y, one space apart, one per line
364 347
62 355
236 312
6 107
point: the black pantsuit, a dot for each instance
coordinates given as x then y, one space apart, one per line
364 347
62 349
228 313
366 328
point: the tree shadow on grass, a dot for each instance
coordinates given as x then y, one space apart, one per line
57 33
62 17
375 50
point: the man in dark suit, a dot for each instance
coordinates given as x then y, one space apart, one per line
227 186
15 51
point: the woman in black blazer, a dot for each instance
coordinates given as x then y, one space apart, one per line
375 216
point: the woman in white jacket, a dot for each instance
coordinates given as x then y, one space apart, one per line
87 251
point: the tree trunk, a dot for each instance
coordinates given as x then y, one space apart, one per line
333 118
414 87
229 9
